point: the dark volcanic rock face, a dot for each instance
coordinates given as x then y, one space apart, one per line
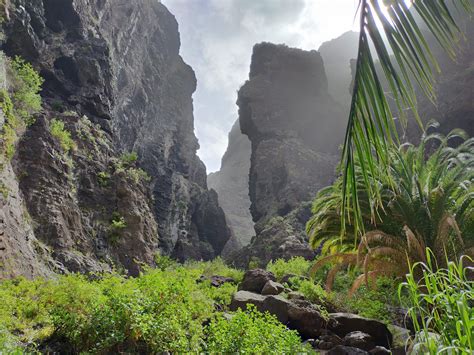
295 128
118 63
232 184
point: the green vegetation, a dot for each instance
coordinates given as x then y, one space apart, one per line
161 310
426 201
441 302
372 131
117 225
26 87
297 266
127 164
128 159
257 334
58 131
103 178
19 102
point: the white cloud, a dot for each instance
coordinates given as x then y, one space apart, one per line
217 37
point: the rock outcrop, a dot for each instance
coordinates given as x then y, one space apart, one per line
231 183
116 64
295 128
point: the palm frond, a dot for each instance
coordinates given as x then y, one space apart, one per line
371 128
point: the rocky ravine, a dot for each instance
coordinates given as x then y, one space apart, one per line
114 76
231 183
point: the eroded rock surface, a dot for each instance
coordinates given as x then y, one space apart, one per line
118 64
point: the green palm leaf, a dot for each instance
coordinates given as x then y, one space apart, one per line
371 130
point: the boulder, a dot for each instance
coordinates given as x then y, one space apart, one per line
346 350
298 315
295 295
272 288
242 298
380 350
305 318
359 340
347 323
255 279
278 306
328 341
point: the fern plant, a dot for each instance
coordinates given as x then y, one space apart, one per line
427 200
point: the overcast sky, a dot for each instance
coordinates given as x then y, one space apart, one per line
217 37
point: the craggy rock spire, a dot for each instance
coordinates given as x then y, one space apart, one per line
295 128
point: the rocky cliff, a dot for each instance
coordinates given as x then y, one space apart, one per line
295 128
114 77
231 183
337 54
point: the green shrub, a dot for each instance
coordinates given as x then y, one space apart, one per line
128 159
137 175
103 178
9 135
372 303
251 332
117 224
58 131
441 301
27 86
296 265
215 267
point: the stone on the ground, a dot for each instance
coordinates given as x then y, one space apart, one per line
299 315
380 350
255 279
347 322
328 341
295 295
359 340
346 350
242 298
305 318
272 288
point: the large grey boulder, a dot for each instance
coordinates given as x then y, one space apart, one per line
255 279
299 315
242 298
347 323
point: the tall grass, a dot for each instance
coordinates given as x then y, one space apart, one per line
441 303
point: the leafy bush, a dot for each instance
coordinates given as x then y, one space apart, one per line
117 224
426 202
374 302
57 130
251 332
103 178
159 311
296 265
27 85
128 159
441 301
